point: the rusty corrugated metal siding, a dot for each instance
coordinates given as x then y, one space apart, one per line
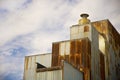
112 48
55 54
30 65
101 26
65 72
114 57
97 62
79 57
102 66
78 50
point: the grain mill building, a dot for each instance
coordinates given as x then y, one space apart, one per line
92 53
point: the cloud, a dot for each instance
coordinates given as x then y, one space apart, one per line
11 67
10 5
30 26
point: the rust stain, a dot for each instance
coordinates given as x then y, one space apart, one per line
55 54
79 47
26 63
67 58
49 69
102 67
79 57
80 52
72 47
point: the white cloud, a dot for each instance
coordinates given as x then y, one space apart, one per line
10 65
10 4
27 20
44 21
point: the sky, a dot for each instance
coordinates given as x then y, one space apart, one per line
29 27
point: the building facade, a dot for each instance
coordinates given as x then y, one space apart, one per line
93 51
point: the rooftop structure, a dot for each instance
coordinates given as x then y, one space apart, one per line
92 53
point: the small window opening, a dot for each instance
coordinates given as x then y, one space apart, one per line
102 44
86 28
40 65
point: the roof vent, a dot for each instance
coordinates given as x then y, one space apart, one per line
84 19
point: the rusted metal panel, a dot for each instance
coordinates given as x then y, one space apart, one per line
67 58
114 34
72 47
26 63
80 54
94 58
72 59
77 61
112 38
114 52
101 26
30 68
30 65
79 47
55 54
102 66
83 53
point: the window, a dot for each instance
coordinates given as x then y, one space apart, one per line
86 28
102 44
40 65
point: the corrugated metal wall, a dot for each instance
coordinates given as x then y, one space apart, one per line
102 66
76 52
114 52
66 72
55 55
92 32
95 56
49 75
30 65
112 48
29 71
71 73
83 54
80 31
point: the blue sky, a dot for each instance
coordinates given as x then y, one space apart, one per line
30 26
